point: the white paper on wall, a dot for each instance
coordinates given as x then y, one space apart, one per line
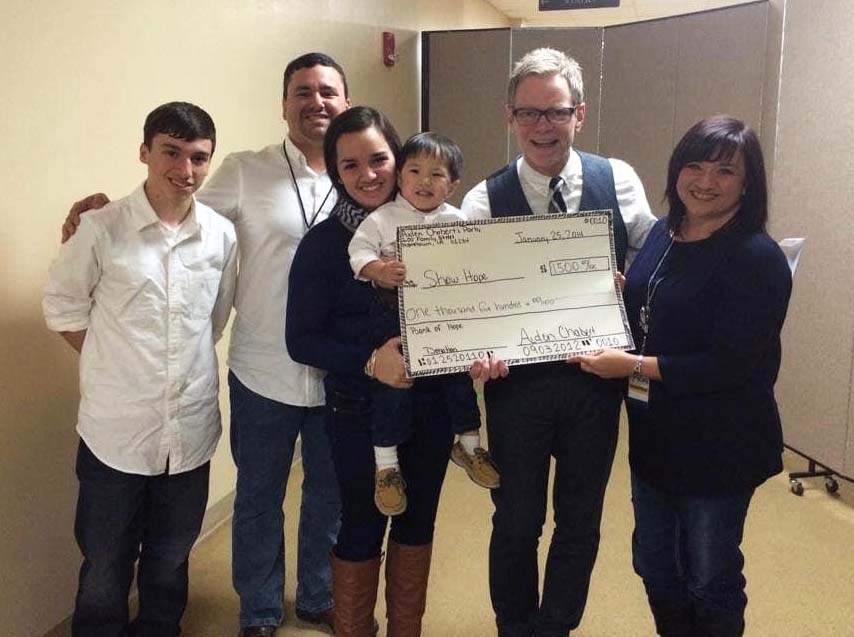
792 249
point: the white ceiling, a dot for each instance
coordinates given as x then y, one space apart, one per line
526 12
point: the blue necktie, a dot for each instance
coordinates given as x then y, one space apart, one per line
556 203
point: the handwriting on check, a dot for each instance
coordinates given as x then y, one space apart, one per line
527 288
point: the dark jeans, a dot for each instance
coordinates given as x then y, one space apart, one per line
392 409
686 549
122 517
263 436
423 460
537 413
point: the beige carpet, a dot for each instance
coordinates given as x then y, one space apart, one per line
800 566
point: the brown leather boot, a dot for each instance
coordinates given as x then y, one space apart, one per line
406 571
354 591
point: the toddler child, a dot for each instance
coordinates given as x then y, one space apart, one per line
429 173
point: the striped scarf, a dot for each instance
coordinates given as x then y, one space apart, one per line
348 213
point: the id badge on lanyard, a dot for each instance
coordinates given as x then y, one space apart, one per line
638 383
639 388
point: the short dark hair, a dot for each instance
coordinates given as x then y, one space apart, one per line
308 60
720 138
353 120
181 120
434 145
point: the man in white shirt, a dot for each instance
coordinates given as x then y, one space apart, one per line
550 410
143 291
274 196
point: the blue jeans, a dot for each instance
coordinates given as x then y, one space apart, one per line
263 435
392 409
122 517
686 550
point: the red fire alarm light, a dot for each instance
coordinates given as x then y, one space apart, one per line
389 56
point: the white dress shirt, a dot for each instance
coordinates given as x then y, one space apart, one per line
255 190
631 198
153 301
377 235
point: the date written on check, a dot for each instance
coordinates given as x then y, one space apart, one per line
529 289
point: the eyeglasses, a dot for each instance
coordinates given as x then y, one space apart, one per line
530 116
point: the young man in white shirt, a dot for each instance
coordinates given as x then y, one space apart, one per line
547 410
274 196
143 291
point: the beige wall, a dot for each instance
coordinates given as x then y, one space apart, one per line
812 186
78 79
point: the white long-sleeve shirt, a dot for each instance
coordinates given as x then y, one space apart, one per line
153 301
256 192
377 235
634 207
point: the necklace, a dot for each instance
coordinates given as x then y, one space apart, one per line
305 220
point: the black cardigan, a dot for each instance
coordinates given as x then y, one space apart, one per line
711 426
328 324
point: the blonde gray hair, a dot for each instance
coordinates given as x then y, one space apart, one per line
545 63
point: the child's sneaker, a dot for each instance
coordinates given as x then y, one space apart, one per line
480 467
390 491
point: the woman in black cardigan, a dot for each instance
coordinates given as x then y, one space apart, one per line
706 299
328 326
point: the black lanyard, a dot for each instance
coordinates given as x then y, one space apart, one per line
651 288
308 224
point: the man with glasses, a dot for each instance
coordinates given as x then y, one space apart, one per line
547 410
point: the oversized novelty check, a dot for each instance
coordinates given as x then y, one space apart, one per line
527 289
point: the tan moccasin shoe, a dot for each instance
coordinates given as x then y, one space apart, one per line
390 492
479 467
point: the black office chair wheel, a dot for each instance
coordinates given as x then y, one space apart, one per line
797 487
831 485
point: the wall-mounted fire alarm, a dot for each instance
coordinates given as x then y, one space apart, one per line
389 56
